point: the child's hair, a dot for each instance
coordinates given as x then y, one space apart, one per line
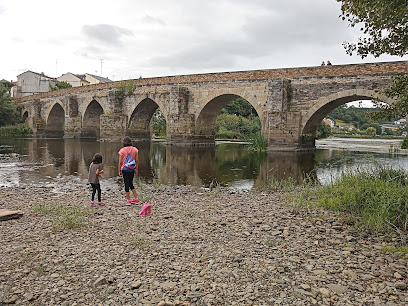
127 142
97 159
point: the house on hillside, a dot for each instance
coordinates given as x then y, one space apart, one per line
77 80
94 79
30 83
329 122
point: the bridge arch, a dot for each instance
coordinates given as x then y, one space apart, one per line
91 121
138 127
324 105
205 124
55 121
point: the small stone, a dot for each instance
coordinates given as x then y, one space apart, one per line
325 293
305 287
100 281
135 284
336 288
397 275
400 285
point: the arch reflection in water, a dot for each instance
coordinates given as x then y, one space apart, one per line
226 164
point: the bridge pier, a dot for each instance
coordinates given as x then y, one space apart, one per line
113 126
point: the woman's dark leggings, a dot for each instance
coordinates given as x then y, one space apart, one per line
128 180
96 187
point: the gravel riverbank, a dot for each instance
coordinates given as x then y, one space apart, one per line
198 248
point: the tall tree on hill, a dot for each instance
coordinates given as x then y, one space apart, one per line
9 113
384 24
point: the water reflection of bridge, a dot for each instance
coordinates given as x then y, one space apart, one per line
173 165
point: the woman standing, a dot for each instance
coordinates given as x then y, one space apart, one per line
128 164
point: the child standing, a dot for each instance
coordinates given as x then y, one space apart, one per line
95 173
127 173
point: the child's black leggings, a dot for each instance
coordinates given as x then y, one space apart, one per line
128 180
96 187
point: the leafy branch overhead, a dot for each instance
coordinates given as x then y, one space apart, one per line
384 24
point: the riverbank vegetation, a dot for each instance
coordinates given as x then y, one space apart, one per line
372 199
10 117
18 130
9 112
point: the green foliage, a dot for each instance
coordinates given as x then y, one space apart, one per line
19 130
357 117
232 126
379 197
398 91
258 142
60 85
323 131
237 120
370 131
384 24
9 112
404 144
125 89
239 107
159 123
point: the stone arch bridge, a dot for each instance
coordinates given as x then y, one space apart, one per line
290 102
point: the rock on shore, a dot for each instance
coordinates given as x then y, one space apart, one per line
198 248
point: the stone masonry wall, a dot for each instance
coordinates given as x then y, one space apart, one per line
388 68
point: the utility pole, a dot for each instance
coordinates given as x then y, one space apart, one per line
101 65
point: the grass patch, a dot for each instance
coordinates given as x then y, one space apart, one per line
400 251
257 142
285 185
379 197
190 212
140 242
64 217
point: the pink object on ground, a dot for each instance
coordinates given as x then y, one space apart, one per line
146 209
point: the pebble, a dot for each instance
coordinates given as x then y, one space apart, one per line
197 248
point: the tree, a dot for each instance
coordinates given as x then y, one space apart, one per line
60 85
239 107
323 131
370 131
398 90
9 113
384 24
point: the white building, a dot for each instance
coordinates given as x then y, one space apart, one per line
30 83
77 80
94 79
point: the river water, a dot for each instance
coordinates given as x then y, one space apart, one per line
63 164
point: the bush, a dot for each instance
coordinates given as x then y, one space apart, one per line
19 130
404 144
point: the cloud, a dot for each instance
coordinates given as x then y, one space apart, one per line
105 33
153 20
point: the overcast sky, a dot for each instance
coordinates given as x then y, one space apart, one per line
160 37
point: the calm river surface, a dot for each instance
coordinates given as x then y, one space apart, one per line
63 164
